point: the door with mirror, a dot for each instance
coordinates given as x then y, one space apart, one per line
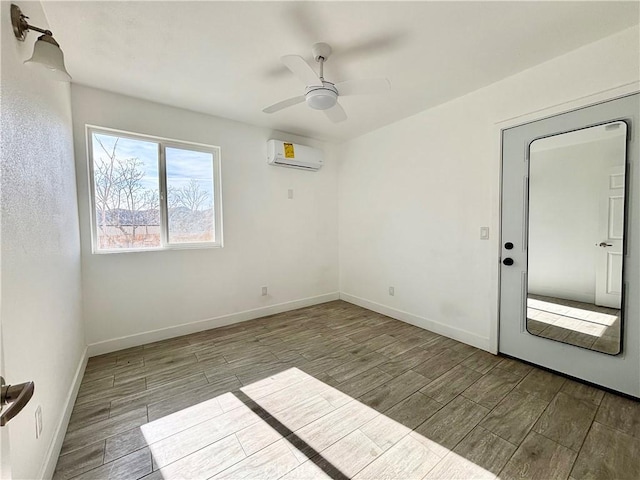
569 276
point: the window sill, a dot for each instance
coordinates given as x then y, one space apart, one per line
186 246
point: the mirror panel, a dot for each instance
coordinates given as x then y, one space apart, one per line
576 212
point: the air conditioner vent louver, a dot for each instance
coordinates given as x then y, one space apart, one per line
291 155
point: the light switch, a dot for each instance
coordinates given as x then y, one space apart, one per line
484 233
290 193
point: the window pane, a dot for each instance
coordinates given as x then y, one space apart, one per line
125 174
190 196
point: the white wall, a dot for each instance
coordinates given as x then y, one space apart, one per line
568 183
414 194
288 245
41 294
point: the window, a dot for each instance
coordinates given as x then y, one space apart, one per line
149 193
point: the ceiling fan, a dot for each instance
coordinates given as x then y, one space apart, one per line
321 94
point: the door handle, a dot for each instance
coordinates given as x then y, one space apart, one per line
604 244
16 397
508 261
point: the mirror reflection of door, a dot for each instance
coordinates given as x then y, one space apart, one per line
575 237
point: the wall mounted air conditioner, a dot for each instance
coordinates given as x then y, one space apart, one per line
285 154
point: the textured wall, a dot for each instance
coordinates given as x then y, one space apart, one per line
43 333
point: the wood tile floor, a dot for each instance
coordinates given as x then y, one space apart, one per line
337 391
578 323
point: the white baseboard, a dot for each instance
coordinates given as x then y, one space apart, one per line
120 343
431 325
51 459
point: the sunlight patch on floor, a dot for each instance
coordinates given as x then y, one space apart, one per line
310 430
573 312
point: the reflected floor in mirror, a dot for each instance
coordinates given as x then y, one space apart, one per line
335 391
582 324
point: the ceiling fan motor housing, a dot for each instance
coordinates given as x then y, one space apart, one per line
321 98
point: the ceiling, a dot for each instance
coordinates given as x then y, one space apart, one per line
222 58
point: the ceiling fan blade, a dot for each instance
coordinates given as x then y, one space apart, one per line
302 70
336 113
376 44
289 102
364 86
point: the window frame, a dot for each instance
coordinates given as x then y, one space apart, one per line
163 143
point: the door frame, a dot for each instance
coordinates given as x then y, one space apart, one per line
519 118
531 353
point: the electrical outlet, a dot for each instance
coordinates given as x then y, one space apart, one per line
392 291
264 291
290 194
484 233
38 421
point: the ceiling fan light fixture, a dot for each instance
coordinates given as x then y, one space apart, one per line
321 98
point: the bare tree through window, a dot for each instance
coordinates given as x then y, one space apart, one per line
128 205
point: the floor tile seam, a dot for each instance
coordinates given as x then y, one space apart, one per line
159 388
593 419
97 372
394 374
271 392
396 403
272 414
80 403
148 373
287 443
506 370
584 440
493 433
337 387
248 360
557 442
312 421
598 409
353 376
442 459
200 423
104 452
529 429
235 434
441 406
370 461
103 440
491 408
209 382
496 366
101 379
71 429
351 400
319 452
168 436
92 424
184 359
395 443
636 437
453 447
100 466
447 371
573 462
232 434
452 450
